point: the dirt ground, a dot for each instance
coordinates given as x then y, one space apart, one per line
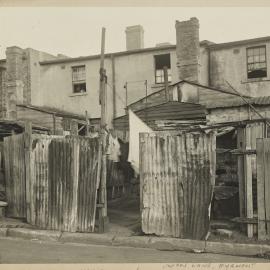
124 215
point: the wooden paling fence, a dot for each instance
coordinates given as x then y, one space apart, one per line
248 174
15 176
60 189
263 188
177 174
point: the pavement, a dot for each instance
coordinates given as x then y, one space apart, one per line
18 251
125 232
117 239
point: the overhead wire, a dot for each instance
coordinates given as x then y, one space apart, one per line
248 103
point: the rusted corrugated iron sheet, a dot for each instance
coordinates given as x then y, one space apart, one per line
172 110
15 175
63 183
87 184
177 175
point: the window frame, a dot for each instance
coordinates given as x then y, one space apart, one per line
265 61
80 81
162 75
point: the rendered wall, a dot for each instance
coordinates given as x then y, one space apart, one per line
231 64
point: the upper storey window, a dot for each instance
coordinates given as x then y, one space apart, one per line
161 61
256 62
78 79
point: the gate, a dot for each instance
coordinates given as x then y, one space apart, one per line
177 174
53 180
15 175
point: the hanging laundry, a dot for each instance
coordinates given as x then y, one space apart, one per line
136 126
113 151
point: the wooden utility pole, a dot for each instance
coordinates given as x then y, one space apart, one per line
103 218
27 157
125 86
165 70
87 124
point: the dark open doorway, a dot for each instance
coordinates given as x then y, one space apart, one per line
123 194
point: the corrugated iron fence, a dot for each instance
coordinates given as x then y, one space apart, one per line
177 174
61 190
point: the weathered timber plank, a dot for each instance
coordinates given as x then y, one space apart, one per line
261 188
248 180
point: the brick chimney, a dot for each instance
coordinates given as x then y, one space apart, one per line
188 49
134 37
14 81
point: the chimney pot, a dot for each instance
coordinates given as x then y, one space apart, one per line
134 37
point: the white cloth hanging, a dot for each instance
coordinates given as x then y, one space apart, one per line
113 151
136 126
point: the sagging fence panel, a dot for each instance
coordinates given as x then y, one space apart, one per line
263 188
177 174
63 184
15 176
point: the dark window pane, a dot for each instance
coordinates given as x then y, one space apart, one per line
162 60
260 73
79 87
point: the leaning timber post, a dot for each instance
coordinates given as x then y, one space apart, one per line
27 159
103 217
241 173
248 182
166 83
87 124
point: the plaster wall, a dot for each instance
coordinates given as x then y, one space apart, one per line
230 64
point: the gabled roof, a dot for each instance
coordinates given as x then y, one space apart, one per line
160 99
170 110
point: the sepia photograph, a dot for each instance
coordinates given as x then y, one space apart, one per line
135 135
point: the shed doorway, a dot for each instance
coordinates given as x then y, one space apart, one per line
225 205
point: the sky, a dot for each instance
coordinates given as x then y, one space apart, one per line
76 31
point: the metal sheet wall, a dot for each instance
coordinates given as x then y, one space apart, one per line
177 175
62 189
15 176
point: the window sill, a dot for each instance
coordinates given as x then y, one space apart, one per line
265 79
78 94
159 85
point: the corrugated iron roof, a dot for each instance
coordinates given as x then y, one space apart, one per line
55 111
237 102
171 110
159 95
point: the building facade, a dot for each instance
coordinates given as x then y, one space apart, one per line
31 77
